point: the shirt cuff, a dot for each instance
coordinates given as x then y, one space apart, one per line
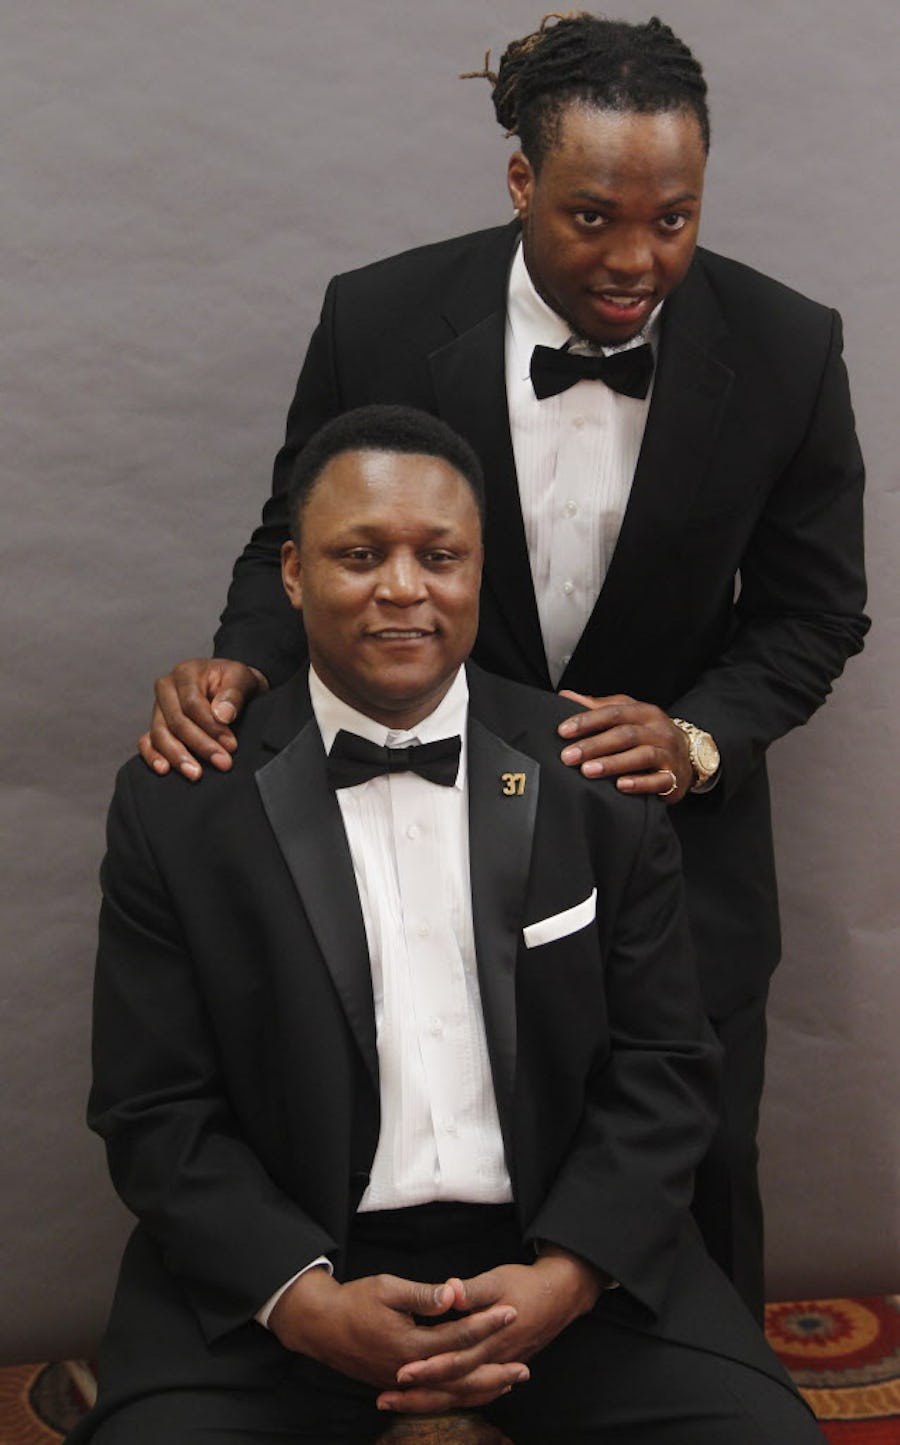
262 1315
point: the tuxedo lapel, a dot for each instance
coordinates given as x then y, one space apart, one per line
692 383
503 795
469 379
305 817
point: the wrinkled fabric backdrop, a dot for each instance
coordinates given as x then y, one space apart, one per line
179 182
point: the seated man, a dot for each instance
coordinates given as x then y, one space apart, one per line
399 1055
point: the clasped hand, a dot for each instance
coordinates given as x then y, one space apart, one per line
367 1328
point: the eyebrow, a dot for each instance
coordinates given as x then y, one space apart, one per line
607 202
368 530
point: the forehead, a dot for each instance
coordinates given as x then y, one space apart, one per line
659 150
388 491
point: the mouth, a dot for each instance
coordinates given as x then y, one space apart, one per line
401 634
622 306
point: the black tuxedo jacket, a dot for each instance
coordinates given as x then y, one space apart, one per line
235 1066
736 590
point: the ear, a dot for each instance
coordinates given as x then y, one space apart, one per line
291 574
520 182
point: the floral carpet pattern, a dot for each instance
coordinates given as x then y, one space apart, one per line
843 1353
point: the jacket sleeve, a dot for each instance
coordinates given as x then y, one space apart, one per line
259 626
621 1195
799 610
176 1152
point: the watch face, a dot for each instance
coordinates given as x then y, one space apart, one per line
707 754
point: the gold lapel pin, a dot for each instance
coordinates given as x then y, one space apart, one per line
513 784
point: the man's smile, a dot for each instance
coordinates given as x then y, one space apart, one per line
401 634
617 305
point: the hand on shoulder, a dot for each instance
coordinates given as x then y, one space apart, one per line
195 704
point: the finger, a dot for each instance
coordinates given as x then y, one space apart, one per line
226 705
601 712
414 1297
231 687
643 758
185 745
151 757
479 1292
459 1347
482 1385
586 727
184 706
608 697
460 1302
460 1344
664 783
183 697
163 743
584 698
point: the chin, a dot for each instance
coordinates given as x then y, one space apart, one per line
609 335
401 700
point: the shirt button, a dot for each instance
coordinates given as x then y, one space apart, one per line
424 930
578 422
450 1126
436 1028
566 659
568 588
571 508
413 830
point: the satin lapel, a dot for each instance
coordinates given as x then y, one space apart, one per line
305 817
469 379
503 796
692 383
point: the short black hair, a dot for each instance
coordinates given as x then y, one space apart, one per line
381 428
583 59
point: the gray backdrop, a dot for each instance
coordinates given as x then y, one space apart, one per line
180 181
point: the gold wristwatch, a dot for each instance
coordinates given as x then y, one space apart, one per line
702 751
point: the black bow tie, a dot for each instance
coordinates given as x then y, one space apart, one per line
629 372
355 760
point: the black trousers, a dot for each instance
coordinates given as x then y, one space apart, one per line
727 1204
597 1382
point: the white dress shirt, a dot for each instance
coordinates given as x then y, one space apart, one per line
409 841
575 458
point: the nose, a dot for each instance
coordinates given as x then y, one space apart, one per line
628 254
401 581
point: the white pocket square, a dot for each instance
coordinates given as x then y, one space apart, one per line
561 924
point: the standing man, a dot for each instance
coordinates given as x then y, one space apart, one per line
399 1054
673 531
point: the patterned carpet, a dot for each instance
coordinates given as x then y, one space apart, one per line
843 1353
845 1357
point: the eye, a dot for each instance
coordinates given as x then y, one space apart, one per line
439 556
360 556
674 221
593 220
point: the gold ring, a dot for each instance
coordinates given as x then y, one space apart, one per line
669 791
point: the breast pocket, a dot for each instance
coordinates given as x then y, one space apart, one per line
560 925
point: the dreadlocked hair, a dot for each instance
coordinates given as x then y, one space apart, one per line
580 58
